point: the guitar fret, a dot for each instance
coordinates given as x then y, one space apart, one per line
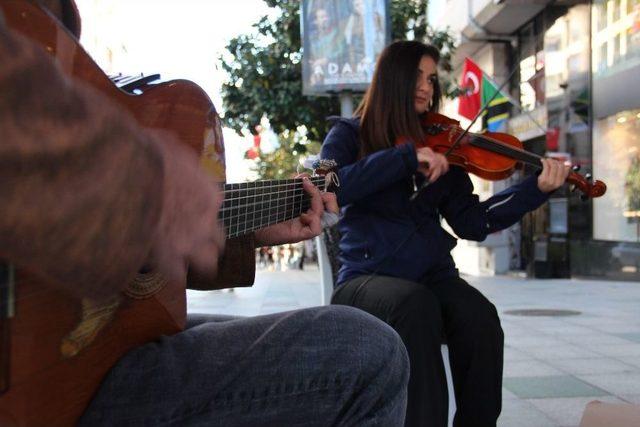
242 218
251 206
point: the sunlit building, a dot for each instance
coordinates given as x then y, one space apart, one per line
574 79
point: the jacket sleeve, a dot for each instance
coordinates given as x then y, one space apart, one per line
360 178
236 267
474 220
57 137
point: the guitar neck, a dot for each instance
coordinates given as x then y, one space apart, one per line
250 206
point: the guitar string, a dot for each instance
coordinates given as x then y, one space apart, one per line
297 185
270 220
226 207
295 192
292 207
284 209
272 183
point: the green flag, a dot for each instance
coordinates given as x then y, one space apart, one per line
496 115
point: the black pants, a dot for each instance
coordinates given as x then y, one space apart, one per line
423 314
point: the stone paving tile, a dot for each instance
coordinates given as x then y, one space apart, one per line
506 394
631 336
520 413
615 350
533 340
511 354
632 398
564 329
529 368
567 411
564 351
596 338
596 365
551 386
518 331
591 320
616 384
618 328
630 360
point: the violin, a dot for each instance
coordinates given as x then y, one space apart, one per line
490 155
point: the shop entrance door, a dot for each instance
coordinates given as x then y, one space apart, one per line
544 240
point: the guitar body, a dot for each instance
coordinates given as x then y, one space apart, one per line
59 348
48 389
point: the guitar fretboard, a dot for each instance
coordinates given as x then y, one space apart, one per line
250 206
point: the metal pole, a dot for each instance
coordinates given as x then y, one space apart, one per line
346 104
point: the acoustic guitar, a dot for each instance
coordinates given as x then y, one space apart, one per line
55 350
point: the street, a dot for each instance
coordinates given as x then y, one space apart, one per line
580 341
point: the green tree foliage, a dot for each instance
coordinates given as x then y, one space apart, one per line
632 185
282 162
265 79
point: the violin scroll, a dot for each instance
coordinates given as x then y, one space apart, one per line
589 190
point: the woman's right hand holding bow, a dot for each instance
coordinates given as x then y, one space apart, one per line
431 164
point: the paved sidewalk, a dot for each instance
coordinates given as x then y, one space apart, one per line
554 365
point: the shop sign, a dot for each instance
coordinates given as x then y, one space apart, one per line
529 125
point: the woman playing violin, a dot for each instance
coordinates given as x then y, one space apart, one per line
396 261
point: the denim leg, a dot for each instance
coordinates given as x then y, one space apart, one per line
315 367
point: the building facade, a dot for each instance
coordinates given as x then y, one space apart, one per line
574 72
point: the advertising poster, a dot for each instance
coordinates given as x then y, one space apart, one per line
341 42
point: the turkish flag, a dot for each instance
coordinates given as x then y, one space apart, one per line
469 100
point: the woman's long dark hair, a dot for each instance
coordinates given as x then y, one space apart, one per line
387 110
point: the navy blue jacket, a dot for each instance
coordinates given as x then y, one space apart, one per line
386 233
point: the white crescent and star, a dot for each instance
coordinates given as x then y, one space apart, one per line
470 75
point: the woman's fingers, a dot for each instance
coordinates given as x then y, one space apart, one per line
554 173
431 164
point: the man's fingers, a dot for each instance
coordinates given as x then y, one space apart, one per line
311 225
316 198
330 202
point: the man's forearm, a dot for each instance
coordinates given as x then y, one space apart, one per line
236 267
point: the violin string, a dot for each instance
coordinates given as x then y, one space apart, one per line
500 147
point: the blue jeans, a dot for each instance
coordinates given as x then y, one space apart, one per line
322 366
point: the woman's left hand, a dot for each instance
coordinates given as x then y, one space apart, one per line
554 174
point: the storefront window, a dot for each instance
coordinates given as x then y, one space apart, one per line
616 130
616 153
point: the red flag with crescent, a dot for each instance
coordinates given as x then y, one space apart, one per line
470 99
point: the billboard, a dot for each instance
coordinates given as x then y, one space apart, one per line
341 42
